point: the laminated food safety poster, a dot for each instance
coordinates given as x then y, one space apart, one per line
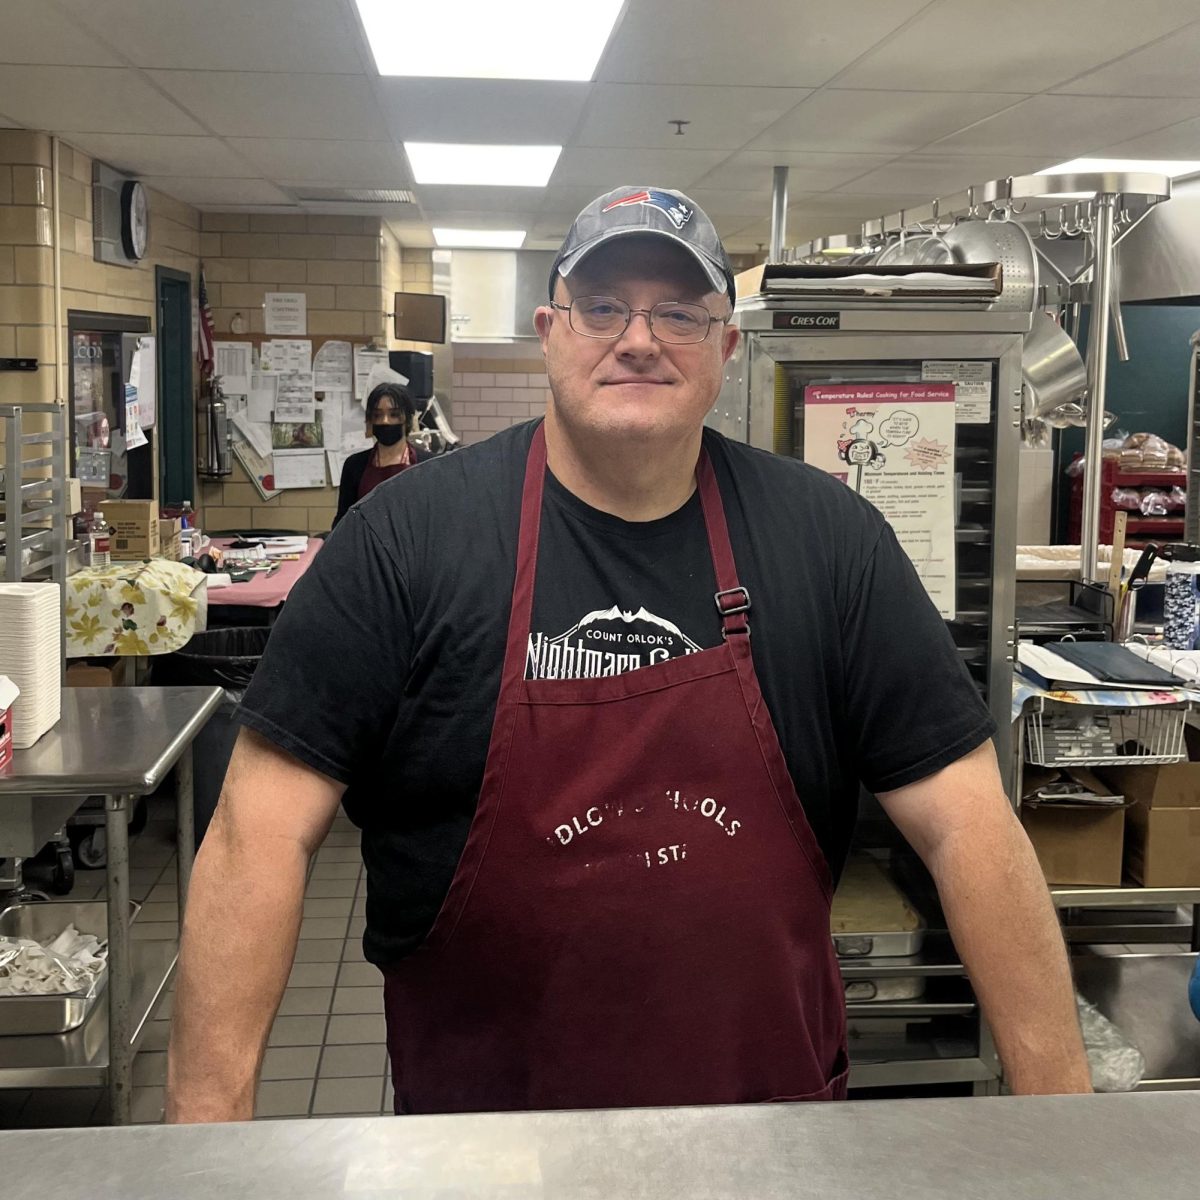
893 443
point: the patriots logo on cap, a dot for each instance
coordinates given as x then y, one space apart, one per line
678 213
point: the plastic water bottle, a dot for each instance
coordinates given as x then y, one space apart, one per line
99 541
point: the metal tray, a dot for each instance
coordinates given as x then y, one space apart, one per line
872 917
26 1015
904 988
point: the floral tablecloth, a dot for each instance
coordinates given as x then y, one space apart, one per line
140 608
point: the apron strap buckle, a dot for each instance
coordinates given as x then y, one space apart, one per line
731 603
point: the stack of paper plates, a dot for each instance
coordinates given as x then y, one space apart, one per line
31 656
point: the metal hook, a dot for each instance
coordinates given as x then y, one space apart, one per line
1012 208
972 207
1071 231
1044 228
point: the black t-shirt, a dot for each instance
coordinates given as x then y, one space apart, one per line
383 670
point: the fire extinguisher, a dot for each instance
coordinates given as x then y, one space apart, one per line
216 457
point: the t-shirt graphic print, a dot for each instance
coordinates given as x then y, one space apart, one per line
606 642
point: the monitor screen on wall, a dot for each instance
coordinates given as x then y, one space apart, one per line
419 317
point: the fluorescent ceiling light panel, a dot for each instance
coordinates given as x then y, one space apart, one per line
477 239
491 166
488 39
1172 167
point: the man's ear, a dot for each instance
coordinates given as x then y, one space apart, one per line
543 319
729 341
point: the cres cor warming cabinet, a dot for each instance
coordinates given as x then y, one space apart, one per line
914 398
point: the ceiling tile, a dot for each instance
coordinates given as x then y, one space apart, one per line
151 154
226 35
721 204
324 160
771 43
1063 127
208 192
753 170
496 111
1181 140
92 99
1016 46
1167 68
873 122
604 168
922 174
37 33
720 118
5 123
573 199
266 104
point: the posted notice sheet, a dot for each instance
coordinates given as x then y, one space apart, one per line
893 443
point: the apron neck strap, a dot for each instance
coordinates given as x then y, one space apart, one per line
732 600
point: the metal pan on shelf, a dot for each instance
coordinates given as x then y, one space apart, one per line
43 922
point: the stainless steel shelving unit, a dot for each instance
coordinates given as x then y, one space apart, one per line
118 742
33 499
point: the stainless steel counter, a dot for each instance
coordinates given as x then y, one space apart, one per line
1068 1148
111 741
119 743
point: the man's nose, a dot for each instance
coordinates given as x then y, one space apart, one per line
637 338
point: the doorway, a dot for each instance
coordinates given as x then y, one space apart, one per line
176 424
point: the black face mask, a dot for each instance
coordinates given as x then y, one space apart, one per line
387 435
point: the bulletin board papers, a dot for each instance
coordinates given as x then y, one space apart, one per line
286 313
134 434
233 362
261 399
286 356
298 435
294 397
259 467
299 469
143 376
366 360
337 462
257 433
893 443
972 388
333 367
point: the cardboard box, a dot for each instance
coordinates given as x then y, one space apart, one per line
109 672
1163 846
1075 843
170 541
135 528
1169 785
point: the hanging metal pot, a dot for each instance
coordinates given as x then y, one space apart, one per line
1053 368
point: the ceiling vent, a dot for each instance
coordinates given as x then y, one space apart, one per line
354 196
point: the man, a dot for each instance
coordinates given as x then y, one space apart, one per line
598 817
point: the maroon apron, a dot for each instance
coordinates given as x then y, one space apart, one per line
641 912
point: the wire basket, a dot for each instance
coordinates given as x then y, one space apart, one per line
1075 735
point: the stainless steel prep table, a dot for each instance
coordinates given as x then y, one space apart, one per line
1028 1148
119 742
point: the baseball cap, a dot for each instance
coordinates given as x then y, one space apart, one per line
659 211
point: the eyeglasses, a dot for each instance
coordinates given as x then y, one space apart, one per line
671 321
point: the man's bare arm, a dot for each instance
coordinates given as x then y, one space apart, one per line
1000 917
240 929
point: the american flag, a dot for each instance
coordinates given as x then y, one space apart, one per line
208 330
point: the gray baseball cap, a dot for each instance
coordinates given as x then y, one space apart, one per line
659 211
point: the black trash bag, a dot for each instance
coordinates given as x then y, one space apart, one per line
224 658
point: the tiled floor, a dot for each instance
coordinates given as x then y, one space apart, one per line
326 1054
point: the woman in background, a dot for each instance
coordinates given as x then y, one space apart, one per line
391 417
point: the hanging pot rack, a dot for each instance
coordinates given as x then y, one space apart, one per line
1103 207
